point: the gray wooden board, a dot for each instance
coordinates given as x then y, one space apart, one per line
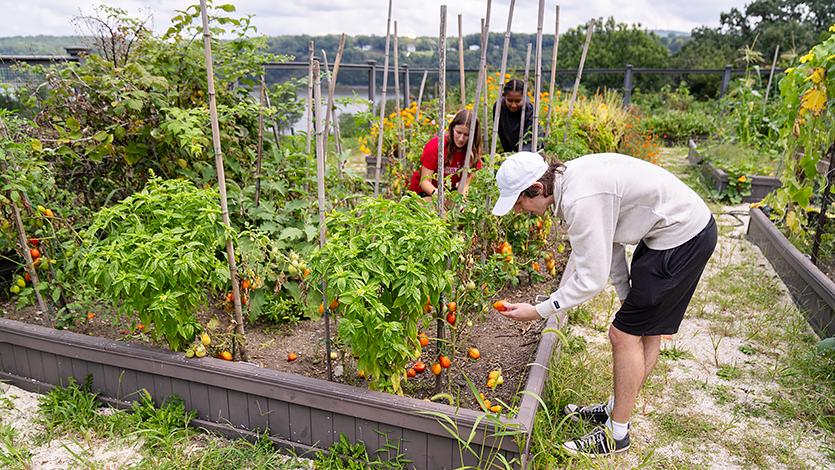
321 428
219 404
238 409
259 413
300 424
279 418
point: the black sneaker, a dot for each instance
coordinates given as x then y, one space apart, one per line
597 443
594 414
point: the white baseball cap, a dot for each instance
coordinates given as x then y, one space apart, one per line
517 174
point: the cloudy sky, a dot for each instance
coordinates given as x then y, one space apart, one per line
415 17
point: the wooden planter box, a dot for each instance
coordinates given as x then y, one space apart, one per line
760 185
241 400
811 289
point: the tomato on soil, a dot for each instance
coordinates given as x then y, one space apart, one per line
436 369
419 367
411 372
445 362
225 355
292 357
473 353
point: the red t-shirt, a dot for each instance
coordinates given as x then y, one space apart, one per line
429 159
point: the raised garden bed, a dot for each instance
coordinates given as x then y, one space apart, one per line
760 185
810 288
239 399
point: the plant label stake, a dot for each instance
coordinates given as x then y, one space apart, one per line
221 179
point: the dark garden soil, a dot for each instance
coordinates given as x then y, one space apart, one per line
504 345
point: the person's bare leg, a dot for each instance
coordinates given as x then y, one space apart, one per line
629 369
652 347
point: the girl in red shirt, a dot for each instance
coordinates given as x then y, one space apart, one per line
425 181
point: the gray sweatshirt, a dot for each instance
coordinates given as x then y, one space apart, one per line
609 200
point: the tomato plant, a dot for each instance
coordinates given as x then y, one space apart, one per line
383 259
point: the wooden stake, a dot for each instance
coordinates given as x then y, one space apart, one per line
771 74
537 76
335 121
309 96
221 180
551 90
331 87
485 102
320 190
397 104
524 99
439 324
461 71
260 148
577 80
275 124
420 94
381 129
482 64
498 111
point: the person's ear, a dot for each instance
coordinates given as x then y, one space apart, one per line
540 188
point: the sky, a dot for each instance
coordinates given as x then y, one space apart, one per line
414 17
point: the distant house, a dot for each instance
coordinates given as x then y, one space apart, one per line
474 47
410 48
364 47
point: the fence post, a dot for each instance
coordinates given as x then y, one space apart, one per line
372 81
408 94
726 81
627 85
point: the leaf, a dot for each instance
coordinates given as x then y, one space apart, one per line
291 233
36 145
228 7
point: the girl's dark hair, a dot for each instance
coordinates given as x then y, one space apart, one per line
462 118
547 181
513 85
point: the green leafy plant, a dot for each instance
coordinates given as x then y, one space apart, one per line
154 254
384 260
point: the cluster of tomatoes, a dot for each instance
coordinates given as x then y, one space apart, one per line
20 282
246 285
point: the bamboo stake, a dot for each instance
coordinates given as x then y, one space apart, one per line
538 76
320 190
524 99
577 80
221 180
482 64
439 324
309 96
260 149
275 124
331 87
397 104
420 94
485 102
461 74
551 90
497 112
771 74
335 121
380 129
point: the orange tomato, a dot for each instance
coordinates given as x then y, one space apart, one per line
436 369
334 304
321 309
423 339
292 357
473 353
419 367
35 253
140 326
49 213
450 318
246 284
452 306
225 355
91 315
27 277
499 305
411 372
535 266
445 362
230 297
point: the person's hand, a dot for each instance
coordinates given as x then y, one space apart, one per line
521 312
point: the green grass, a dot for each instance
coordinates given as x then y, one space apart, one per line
14 454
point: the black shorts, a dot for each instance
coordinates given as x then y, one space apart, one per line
663 282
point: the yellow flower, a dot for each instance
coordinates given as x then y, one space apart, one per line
742 179
813 100
816 76
832 29
789 70
807 57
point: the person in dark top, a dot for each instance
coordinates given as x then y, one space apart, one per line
511 116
